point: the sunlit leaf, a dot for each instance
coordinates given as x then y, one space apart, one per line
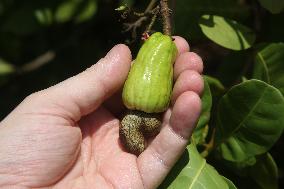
197 174
187 13
226 32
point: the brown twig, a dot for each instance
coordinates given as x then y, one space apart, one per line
151 5
150 10
37 62
163 9
165 12
153 19
133 26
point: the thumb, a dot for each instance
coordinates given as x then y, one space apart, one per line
83 93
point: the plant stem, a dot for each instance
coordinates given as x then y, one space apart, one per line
150 6
210 146
144 16
165 12
153 19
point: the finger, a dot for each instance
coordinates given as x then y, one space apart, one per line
187 61
187 81
166 148
181 44
83 93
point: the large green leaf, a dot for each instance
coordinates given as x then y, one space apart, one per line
201 130
187 13
274 6
226 32
269 65
197 174
249 120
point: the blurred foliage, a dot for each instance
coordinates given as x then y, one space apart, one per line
45 42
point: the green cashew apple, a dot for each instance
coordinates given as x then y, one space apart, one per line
148 87
147 91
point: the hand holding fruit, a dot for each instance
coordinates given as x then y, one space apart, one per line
67 136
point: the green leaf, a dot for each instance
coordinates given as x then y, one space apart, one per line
187 13
6 68
87 12
230 183
269 65
265 172
201 130
274 6
227 33
249 120
214 83
66 10
44 16
198 174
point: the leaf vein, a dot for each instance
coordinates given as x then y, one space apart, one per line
197 174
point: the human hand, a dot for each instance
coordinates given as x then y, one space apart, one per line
67 136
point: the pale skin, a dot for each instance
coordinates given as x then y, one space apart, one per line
66 136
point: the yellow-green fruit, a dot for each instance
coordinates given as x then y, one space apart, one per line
148 87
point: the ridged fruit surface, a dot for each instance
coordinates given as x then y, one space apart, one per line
148 87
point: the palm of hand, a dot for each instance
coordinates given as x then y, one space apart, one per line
103 162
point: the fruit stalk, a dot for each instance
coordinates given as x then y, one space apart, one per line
165 12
